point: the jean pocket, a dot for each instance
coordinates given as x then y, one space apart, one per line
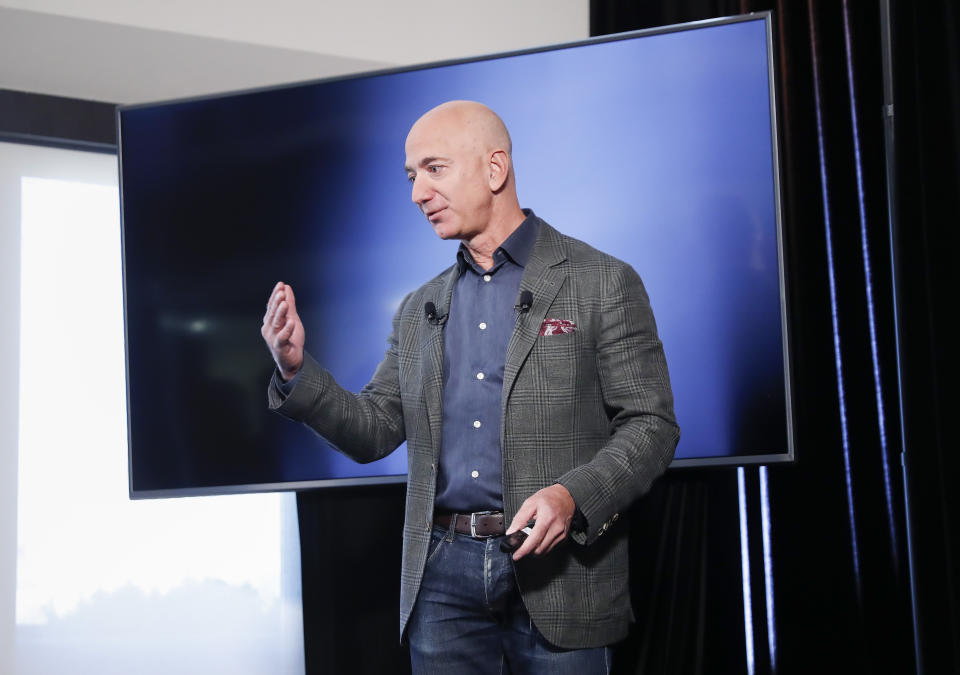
437 540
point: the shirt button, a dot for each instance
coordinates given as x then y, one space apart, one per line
479 376
476 424
475 473
483 325
487 277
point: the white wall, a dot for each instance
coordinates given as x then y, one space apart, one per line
412 31
137 50
100 61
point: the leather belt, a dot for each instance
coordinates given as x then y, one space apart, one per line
480 524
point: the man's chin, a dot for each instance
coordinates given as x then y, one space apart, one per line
444 230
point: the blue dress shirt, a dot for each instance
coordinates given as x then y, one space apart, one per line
481 319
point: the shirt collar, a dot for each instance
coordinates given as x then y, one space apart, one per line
517 247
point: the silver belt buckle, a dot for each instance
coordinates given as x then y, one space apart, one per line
473 524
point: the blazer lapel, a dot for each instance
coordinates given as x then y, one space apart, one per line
432 362
543 276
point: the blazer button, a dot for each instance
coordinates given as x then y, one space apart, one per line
427 525
615 516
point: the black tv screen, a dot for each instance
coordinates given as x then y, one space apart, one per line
656 146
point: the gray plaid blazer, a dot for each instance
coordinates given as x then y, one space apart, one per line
591 409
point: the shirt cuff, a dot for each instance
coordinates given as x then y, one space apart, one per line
579 521
287 387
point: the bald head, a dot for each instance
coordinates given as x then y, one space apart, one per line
476 125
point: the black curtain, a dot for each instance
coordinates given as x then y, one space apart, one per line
926 208
867 292
350 545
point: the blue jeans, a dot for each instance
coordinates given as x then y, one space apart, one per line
469 617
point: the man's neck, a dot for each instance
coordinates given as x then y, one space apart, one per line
483 245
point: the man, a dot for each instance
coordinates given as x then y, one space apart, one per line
528 382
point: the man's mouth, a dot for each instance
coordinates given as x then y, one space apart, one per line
431 215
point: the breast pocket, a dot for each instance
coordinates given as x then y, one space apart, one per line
559 347
553 372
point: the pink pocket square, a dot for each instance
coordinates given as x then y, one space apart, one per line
557 327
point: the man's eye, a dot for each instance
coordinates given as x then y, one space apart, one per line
434 168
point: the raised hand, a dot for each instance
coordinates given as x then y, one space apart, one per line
282 330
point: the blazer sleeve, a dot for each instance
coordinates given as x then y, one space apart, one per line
365 426
636 393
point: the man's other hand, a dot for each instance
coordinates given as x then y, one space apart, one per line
282 330
552 508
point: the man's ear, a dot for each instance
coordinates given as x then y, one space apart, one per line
499 170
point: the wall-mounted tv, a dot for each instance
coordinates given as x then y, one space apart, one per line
657 146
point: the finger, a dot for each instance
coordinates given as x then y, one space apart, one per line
544 546
292 300
541 528
526 512
553 537
280 316
271 320
273 292
272 302
549 532
268 316
531 543
285 333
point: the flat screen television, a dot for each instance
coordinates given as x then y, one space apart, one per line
658 146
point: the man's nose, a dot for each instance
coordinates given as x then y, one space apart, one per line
420 193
